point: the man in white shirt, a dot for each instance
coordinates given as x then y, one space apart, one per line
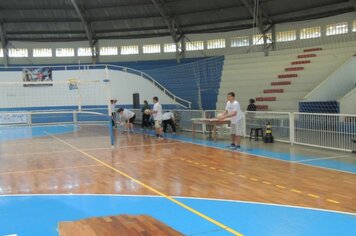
168 118
157 116
127 116
233 111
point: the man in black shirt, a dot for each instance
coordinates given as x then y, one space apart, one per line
251 106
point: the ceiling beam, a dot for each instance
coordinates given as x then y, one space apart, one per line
259 19
173 27
88 31
353 4
170 21
4 44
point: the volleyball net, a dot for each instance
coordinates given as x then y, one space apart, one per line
70 101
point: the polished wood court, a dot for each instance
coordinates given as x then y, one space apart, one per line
133 225
83 162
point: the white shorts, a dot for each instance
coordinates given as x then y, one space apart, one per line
158 124
237 129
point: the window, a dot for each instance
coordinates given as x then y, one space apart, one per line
129 49
216 43
84 52
286 36
194 46
151 48
171 47
258 39
64 52
354 26
1 53
42 52
18 52
310 33
338 28
107 51
242 41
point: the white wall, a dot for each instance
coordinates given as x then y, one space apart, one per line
337 84
347 103
122 86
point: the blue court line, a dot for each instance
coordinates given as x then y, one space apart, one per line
346 165
35 215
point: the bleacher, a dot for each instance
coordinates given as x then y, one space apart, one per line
280 80
197 81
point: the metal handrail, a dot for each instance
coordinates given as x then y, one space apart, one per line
154 82
181 101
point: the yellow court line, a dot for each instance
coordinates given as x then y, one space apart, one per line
312 195
48 169
295 190
269 183
333 201
217 223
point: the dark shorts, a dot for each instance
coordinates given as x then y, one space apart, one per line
132 119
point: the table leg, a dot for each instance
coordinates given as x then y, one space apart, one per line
214 133
193 130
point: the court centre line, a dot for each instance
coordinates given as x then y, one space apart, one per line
48 169
35 153
211 220
132 146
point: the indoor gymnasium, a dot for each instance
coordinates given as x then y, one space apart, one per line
178 117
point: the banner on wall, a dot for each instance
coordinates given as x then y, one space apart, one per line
6 119
35 75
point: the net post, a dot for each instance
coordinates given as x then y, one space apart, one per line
291 127
111 131
75 118
110 116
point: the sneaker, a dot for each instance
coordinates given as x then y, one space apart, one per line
237 147
231 146
131 131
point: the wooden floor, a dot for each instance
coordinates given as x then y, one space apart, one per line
140 225
83 162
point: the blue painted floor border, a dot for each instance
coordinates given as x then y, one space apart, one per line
36 215
332 164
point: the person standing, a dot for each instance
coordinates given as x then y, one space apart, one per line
233 111
128 116
145 117
157 116
168 118
113 112
251 106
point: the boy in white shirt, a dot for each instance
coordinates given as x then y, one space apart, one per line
168 118
233 111
128 116
157 116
